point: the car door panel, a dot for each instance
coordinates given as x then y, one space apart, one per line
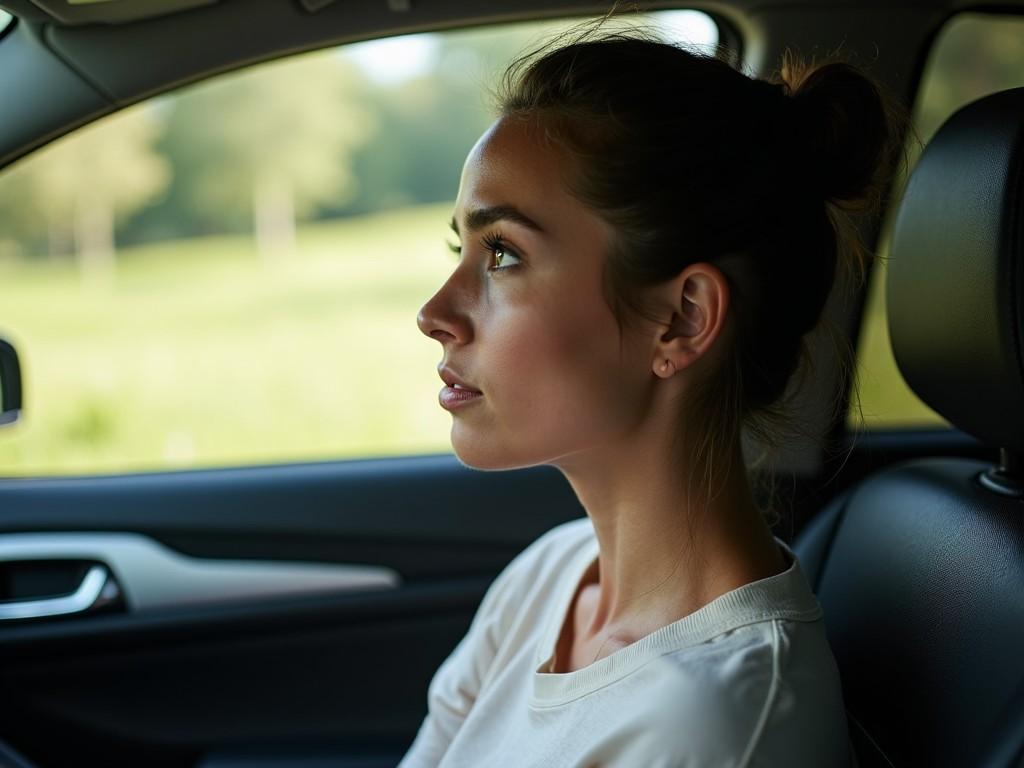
340 669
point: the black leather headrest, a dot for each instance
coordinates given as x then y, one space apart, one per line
955 281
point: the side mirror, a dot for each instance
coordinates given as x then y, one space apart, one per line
10 384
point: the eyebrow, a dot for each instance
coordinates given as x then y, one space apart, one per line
479 218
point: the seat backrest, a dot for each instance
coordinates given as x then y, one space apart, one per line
920 567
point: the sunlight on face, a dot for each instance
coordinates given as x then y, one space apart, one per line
522 318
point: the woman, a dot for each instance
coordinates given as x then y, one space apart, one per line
646 237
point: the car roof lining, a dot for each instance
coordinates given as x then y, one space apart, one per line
116 12
73 12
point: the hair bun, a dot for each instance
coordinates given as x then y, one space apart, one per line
841 128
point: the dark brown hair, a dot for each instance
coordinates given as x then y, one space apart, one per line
692 161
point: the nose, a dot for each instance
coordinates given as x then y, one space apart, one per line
441 318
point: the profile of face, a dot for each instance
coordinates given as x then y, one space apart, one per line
523 320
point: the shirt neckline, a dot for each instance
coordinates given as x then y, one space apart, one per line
785 595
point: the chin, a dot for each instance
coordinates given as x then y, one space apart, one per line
484 460
486 454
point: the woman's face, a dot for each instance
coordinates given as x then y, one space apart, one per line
522 318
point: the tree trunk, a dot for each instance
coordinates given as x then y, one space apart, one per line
59 240
94 240
274 218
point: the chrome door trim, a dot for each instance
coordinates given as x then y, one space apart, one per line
153 576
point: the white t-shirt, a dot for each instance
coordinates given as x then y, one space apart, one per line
747 680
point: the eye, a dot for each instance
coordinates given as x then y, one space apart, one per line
500 251
497 247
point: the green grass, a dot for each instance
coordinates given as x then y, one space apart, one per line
201 355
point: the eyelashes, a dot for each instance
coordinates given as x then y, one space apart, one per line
494 244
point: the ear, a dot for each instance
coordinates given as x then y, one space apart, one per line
698 298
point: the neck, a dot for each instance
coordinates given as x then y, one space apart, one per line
664 553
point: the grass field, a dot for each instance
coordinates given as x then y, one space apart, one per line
199 354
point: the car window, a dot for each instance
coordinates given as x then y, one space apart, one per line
973 56
230 274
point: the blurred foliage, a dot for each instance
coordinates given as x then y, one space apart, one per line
75 191
267 146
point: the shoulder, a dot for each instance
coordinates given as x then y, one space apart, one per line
721 688
761 695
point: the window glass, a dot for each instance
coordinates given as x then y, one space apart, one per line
975 55
230 274
5 19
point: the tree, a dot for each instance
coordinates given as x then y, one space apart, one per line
270 144
22 223
80 184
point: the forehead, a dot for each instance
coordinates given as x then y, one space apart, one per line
511 165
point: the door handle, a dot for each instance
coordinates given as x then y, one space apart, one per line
96 590
150 576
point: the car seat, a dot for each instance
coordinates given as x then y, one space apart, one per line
920 567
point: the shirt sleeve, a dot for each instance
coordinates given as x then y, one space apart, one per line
460 678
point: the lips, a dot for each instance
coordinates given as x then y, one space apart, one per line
453 380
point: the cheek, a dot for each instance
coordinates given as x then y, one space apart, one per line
556 363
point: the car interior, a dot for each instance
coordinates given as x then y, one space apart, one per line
292 614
